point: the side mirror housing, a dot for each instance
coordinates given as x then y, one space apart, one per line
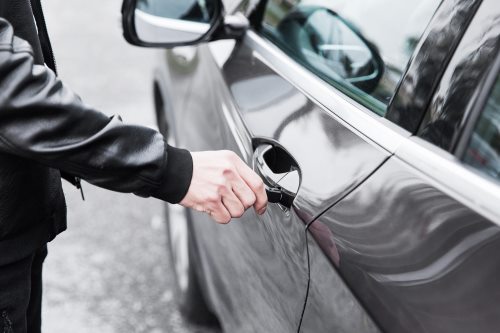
171 23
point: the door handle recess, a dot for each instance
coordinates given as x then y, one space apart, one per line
279 172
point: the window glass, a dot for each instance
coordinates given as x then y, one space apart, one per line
484 146
361 47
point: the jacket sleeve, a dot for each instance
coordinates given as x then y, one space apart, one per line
42 120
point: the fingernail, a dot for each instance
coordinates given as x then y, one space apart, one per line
262 211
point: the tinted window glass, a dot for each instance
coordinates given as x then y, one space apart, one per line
484 146
362 47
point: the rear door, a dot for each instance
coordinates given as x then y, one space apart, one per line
417 242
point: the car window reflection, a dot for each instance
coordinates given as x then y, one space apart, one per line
361 47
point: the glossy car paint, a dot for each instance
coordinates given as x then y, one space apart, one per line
416 242
418 260
256 271
274 109
257 267
251 267
331 305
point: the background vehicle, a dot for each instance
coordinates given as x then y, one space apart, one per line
365 119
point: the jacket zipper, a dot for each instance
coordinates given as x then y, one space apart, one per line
78 184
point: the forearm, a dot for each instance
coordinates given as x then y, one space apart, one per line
43 120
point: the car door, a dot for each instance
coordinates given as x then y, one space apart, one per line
256 268
417 242
288 87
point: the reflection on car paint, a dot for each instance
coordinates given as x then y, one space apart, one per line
332 159
331 305
255 267
418 260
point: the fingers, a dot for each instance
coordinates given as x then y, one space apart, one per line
236 197
228 205
233 205
223 186
220 214
255 184
243 192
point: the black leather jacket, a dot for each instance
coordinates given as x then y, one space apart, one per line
45 128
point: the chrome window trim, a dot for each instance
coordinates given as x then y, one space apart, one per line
364 122
451 176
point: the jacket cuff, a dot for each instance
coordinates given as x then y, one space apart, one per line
178 173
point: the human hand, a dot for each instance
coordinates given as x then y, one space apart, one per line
224 186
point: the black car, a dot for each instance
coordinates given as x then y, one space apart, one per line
376 128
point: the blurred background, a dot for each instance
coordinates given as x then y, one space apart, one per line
108 272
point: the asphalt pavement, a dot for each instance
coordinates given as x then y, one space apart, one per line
109 272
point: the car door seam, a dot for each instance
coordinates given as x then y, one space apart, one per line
343 196
306 230
308 281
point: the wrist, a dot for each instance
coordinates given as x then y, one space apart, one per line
177 175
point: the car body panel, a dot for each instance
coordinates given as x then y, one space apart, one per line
353 245
257 266
253 267
332 158
419 260
331 306
416 242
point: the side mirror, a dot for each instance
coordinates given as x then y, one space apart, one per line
171 23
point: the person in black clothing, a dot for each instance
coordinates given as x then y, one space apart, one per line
46 131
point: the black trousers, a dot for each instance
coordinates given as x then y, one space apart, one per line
21 294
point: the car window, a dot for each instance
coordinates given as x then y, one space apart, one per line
483 149
362 47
